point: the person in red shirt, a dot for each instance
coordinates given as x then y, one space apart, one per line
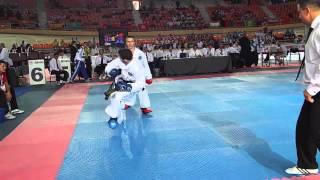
5 94
4 80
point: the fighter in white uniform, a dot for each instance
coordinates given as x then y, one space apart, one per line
140 57
129 81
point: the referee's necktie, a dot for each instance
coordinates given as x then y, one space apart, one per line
304 58
57 65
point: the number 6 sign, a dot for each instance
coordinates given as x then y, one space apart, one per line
36 72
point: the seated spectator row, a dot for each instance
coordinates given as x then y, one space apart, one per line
90 19
94 14
237 15
32 4
286 12
166 19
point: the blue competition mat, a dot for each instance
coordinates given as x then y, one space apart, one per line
217 128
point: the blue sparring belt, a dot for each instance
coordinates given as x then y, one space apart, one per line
122 85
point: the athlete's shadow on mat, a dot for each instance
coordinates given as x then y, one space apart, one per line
244 139
131 135
131 157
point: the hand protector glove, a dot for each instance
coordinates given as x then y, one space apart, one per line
114 73
149 81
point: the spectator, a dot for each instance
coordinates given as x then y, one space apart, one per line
177 4
10 98
4 54
14 49
56 69
100 64
5 95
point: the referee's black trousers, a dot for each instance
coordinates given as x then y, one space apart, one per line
308 134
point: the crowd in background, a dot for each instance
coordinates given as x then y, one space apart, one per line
243 49
91 15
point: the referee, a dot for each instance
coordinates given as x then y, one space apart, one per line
308 124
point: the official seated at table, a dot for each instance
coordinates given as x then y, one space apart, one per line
204 50
234 48
150 59
195 52
56 69
271 51
221 51
158 53
171 53
234 52
281 54
99 63
296 50
211 51
182 53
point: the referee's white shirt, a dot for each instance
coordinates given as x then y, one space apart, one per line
312 60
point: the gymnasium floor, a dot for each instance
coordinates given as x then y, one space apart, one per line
239 126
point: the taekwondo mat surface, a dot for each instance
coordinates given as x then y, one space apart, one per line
237 127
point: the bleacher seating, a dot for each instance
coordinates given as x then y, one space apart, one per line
237 15
86 4
23 4
167 19
94 14
91 19
286 12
